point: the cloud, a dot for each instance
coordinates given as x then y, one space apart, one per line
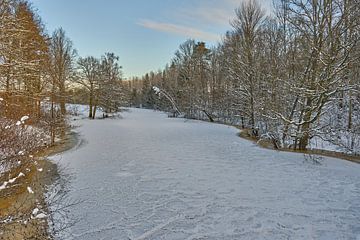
219 12
207 15
179 30
200 20
210 11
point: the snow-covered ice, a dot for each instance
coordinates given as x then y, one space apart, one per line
147 176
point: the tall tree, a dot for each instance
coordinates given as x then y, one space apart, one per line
34 48
249 17
89 78
62 57
111 94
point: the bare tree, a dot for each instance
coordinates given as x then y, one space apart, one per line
247 25
89 68
62 58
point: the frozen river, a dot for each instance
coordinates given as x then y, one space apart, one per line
147 176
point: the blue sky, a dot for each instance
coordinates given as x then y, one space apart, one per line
144 33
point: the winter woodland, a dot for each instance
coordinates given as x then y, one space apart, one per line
290 77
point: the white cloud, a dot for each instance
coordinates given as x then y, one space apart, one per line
219 12
179 30
210 11
206 15
203 14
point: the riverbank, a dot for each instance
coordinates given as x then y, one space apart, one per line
267 144
23 205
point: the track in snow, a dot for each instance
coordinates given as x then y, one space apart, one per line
147 176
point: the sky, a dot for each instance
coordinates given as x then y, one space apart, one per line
144 33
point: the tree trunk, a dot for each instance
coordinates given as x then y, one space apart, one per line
39 108
209 116
350 113
287 125
62 102
94 112
91 104
305 128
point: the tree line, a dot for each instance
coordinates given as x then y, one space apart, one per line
291 76
39 74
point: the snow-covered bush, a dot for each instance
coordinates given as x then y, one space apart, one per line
19 141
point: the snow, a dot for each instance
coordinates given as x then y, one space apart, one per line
12 180
24 118
30 190
156 89
3 186
318 143
147 176
35 211
9 219
40 216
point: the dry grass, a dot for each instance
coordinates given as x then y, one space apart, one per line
17 202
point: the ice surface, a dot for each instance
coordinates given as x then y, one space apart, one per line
147 176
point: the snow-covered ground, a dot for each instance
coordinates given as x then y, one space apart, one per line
147 176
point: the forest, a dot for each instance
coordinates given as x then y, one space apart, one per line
290 77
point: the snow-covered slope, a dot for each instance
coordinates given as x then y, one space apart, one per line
147 176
